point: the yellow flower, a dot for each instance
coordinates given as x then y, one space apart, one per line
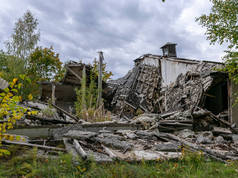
14 80
30 97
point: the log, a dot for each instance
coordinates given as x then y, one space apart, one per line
79 149
34 145
109 152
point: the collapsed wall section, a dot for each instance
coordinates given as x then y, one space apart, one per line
204 87
137 91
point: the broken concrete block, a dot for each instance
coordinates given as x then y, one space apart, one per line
170 147
219 139
186 133
235 138
205 137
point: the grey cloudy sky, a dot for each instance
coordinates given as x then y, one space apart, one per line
122 29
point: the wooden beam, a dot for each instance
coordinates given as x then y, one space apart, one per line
34 145
75 74
65 112
79 149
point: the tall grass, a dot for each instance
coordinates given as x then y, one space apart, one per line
86 104
190 165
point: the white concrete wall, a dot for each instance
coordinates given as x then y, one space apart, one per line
171 69
151 61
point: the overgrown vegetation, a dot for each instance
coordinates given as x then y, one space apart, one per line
190 165
86 104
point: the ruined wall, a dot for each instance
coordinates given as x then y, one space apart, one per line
160 85
137 91
191 89
172 68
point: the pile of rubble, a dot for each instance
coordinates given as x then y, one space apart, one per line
146 137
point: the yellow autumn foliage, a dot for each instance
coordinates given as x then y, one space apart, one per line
10 111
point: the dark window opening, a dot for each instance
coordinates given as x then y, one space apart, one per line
217 98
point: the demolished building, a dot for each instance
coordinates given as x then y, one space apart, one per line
64 90
164 83
177 103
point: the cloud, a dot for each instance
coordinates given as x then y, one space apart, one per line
123 30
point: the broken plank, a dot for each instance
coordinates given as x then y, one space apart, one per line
69 147
221 130
80 150
74 73
42 119
33 145
109 152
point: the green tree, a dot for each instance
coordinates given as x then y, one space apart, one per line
10 66
25 36
222 27
222 22
44 64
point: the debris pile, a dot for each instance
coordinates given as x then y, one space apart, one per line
146 137
150 137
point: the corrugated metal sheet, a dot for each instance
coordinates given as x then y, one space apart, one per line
3 84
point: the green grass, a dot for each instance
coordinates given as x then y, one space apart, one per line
191 165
